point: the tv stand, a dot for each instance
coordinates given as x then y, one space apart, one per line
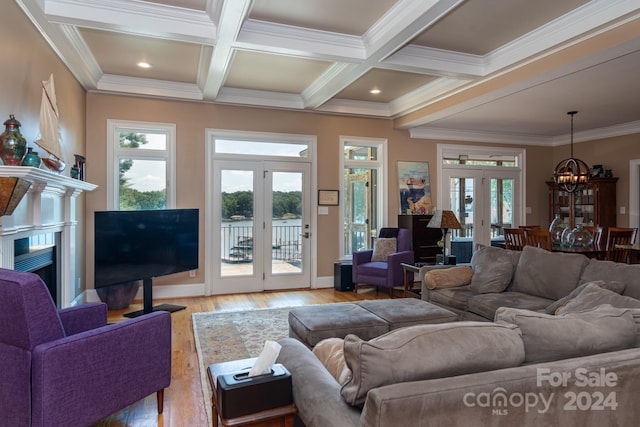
147 301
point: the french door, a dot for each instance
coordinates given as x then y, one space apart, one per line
261 216
485 200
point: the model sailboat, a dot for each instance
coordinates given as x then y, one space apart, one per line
49 130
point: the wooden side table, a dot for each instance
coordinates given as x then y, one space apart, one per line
282 416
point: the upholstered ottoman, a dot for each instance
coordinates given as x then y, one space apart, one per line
402 312
311 324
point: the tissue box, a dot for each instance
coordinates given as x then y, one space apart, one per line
238 394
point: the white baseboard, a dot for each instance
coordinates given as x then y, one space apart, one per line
324 282
177 291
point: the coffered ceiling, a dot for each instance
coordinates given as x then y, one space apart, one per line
481 70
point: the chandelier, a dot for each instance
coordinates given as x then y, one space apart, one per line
571 174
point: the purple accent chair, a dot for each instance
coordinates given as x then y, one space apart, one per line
386 274
69 367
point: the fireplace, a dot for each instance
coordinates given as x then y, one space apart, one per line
40 234
39 254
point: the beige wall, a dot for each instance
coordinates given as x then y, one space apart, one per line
26 60
192 118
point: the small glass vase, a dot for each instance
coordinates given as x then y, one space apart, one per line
31 159
567 238
581 237
556 229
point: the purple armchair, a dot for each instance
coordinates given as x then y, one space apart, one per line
386 274
68 367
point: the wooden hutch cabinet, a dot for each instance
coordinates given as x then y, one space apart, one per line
424 241
594 205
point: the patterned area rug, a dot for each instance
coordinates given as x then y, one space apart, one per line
225 336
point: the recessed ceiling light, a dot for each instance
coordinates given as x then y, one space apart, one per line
375 91
143 64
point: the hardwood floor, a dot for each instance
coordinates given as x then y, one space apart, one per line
183 401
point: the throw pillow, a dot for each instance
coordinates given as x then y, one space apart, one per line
492 269
331 353
545 274
383 247
491 278
547 338
443 350
593 296
448 277
616 287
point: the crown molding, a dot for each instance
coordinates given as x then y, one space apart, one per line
260 98
146 18
536 140
351 107
304 42
439 62
141 86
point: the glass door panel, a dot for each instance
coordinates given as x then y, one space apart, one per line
287 225
356 201
462 201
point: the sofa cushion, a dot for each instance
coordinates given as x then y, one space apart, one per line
486 305
441 350
616 287
383 247
448 277
551 275
593 296
457 298
492 268
331 353
609 270
547 338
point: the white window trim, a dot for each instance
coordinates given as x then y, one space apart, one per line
634 189
450 150
383 186
210 136
113 149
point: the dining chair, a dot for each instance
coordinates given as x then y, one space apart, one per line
538 238
529 227
514 238
596 232
619 236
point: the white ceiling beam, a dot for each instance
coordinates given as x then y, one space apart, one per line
232 15
391 32
141 18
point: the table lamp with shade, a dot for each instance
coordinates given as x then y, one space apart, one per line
445 220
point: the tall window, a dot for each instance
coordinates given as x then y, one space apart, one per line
363 192
141 172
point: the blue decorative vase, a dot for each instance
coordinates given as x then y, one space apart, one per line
31 159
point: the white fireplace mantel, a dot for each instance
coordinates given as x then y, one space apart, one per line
48 206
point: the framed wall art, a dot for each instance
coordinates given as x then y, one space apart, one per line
328 197
414 188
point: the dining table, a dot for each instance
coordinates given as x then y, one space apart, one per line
591 251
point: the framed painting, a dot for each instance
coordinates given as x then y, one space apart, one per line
414 188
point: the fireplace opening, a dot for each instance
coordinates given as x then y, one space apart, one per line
39 255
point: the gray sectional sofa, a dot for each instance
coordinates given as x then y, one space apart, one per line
530 279
579 367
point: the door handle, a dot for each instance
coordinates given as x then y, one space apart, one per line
305 235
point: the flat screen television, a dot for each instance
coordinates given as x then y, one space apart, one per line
142 245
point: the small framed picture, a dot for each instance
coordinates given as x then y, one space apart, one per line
328 197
